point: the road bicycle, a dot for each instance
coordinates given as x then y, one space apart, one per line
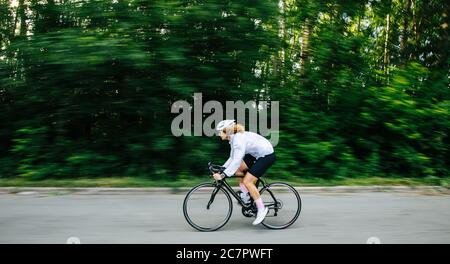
208 206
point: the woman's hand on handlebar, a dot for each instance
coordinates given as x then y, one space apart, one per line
218 176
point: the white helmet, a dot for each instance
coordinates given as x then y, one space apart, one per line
224 124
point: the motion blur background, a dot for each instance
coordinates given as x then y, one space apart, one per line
86 86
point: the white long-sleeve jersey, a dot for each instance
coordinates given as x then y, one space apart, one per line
246 143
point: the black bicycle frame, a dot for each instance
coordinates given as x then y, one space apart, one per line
230 190
218 169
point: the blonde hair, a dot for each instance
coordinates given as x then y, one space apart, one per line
236 128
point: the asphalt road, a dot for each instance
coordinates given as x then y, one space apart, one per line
391 217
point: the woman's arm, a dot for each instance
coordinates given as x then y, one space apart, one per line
236 158
227 163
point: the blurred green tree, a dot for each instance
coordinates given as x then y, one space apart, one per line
86 86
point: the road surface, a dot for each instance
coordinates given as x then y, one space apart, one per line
391 217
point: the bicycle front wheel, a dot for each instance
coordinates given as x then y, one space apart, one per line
207 207
284 205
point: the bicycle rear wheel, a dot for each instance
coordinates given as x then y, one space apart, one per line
207 207
284 205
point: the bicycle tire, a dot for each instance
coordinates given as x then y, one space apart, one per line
195 223
271 188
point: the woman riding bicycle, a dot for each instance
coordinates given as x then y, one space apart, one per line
250 156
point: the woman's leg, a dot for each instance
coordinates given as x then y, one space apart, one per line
249 182
240 172
258 168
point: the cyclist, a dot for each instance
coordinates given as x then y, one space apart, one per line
250 156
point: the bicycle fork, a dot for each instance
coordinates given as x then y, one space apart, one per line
213 196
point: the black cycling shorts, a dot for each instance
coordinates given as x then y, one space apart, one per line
257 167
